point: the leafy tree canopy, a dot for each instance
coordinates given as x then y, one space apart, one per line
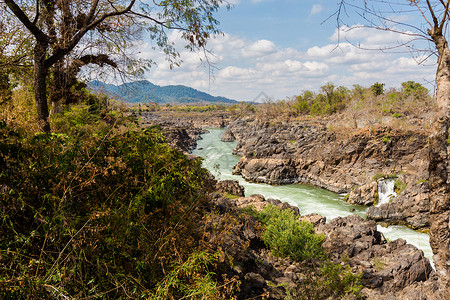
67 35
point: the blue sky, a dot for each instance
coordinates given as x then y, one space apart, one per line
281 48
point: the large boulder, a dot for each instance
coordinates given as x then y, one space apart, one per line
228 136
230 187
364 195
308 152
388 267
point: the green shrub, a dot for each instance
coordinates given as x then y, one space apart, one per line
379 176
377 88
180 279
415 89
286 236
330 281
386 139
104 215
399 186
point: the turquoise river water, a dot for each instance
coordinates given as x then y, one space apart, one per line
219 160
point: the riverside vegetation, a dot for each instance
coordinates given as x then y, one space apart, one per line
99 208
344 150
102 208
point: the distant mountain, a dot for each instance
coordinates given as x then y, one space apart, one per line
144 91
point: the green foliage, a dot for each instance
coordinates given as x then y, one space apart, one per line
302 103
191 279
399 186
251 211
286 236
200 108
358 92
144 91
397 115
230 196
330 281
331 100
379 176
103 215
377 88
415 89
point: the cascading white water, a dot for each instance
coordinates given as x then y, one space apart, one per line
219 161
386 191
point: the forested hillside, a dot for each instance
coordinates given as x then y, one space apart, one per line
144 92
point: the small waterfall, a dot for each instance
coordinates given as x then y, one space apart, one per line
307 198
386 191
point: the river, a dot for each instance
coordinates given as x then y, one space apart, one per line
219 160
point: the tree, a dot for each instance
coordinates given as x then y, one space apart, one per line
63 30
377 88
435 15
15 50
415 89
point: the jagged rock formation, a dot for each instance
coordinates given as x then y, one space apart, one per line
179 134
308 152
183 131
230 187
411 208
390 270
212 119
364 195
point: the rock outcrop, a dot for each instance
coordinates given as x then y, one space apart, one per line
364 195
212 119
411 208
179 134
230 187
183 129
290 152
389 270
386 266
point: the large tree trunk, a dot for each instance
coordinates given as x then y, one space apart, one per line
438 156
40 86
60 89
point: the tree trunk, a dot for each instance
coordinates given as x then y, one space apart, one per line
438 172
40 86
60 90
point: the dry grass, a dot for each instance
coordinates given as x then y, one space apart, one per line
20 110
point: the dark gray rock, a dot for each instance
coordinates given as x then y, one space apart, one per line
228 136
388 267
231 187
364 195
293 152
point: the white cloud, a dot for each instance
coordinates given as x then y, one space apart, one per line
246 68
236 73
259 48
226 44
316 9
370 38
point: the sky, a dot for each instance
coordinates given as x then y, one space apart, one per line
281 48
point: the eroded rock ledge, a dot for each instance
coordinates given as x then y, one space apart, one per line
390 269
342 162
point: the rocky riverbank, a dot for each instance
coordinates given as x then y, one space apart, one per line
183 129
389 269
343 162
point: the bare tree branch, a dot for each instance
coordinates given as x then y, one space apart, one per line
18 12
